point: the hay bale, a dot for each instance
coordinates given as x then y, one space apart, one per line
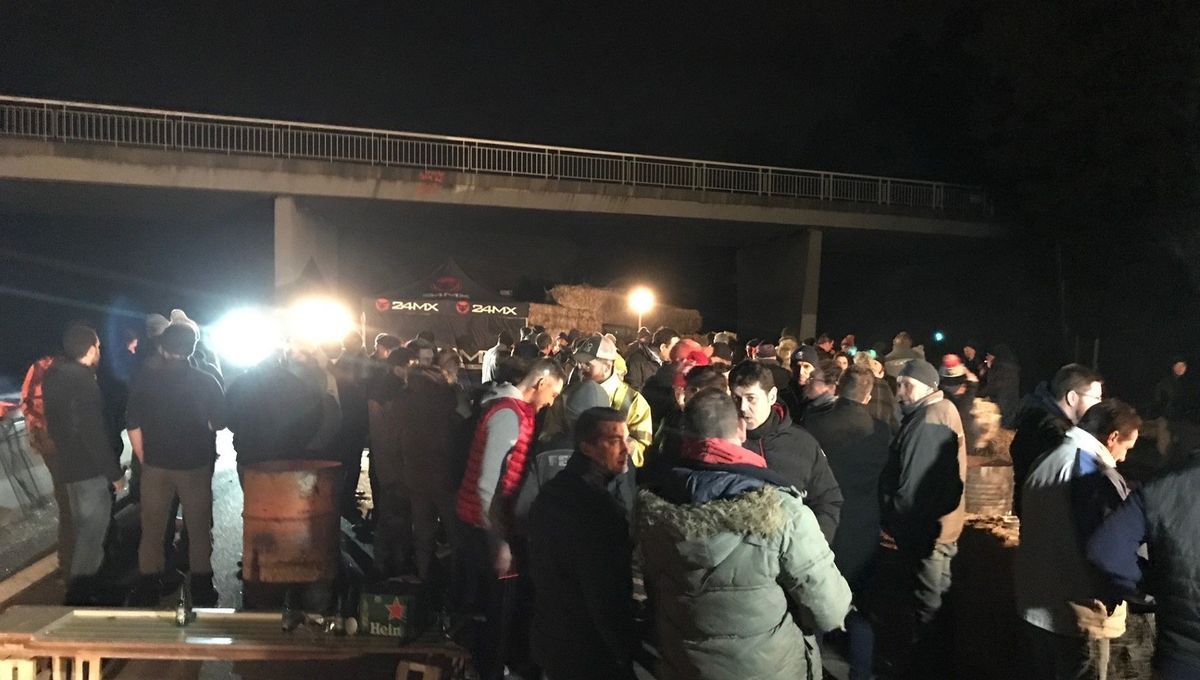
611 306
557 319
989 486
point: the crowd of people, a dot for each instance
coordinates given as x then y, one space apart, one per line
736 506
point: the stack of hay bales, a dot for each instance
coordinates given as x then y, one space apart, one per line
589 309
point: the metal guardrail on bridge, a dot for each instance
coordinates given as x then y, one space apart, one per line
64 121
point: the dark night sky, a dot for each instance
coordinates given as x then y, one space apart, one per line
1082 124
745 83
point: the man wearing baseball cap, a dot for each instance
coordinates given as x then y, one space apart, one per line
595 360
922 508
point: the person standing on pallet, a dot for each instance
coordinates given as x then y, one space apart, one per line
87 468
174 413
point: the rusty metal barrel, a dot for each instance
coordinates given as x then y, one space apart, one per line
290 524
989 488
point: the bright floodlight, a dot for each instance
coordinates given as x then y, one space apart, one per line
319 321
641 301
246 336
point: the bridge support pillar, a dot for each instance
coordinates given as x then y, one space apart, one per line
778 283
306 248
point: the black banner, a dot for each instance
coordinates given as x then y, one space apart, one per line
457 307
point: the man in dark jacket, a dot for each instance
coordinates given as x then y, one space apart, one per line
820 393
666 449
972 359
351 370
283 409
883 404
1164 515
1173 399
659 389
959 386
803 364
426 422
787 448
582 559
768 355
87 467
857 447
174 413
1047 415
1003 382
922 507
645 359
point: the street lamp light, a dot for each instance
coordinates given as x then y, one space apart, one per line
641 301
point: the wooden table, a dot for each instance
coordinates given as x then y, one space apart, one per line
82 638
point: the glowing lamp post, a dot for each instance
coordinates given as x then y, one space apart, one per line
641 301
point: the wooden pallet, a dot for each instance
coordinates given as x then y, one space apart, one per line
62 638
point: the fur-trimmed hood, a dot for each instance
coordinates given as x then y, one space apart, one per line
757 513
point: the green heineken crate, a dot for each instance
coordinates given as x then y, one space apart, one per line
393 608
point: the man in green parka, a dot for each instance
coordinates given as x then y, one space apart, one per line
741 575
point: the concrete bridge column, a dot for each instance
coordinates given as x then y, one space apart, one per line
306 248
778 283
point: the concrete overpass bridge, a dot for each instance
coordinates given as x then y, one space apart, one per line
60 142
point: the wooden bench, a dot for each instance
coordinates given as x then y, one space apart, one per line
56 639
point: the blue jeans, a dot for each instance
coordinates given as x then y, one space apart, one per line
861 648
91 509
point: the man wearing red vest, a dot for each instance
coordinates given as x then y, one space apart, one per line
495 470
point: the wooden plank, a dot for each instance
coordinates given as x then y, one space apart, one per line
22 580
218 635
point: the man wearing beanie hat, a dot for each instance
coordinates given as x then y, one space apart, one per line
922 508
804 361
596 361
174 412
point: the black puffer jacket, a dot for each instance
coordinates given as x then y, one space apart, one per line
659 392
1041 427
280 414
797 457
641 366
1003 385
857 447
